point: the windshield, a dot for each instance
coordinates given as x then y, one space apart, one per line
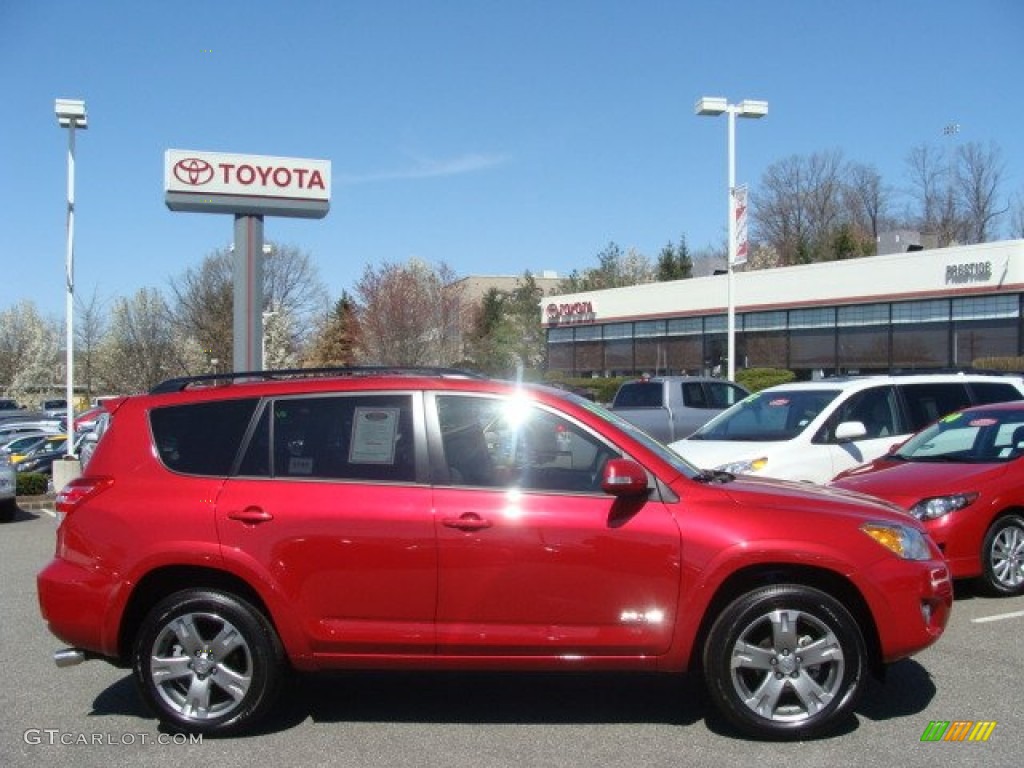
662 451
980 436
768 416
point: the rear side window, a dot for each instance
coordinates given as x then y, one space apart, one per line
987 392
694 396
201 438
928 402
639 394
352 437
723 394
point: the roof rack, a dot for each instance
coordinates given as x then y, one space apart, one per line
182 383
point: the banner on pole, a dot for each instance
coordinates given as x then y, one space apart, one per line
739 212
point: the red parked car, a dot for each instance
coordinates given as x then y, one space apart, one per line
227 530
963 477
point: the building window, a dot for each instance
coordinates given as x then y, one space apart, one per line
649 328
986 307
822 317
764 321
936 311
863 314
685 326
920 345
559 335
618 331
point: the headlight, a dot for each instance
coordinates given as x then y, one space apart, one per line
929 509
744 467
908 543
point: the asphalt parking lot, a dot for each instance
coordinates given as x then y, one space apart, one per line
90 715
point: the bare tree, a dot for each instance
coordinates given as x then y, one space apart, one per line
408 314
90 328
867 200
203 305
932 187
980 178
799 207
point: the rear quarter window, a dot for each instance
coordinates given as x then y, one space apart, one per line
986 392
928 402
201 438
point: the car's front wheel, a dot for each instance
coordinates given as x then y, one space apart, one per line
785 661
207 662
1002 556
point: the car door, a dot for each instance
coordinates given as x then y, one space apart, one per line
328 511
534 559
877 408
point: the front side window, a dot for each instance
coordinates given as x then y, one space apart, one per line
928 402
511 443
875 408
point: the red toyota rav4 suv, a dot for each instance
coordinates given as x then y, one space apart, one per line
230 530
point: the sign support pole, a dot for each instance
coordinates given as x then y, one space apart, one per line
248 295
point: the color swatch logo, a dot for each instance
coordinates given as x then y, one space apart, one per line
958 730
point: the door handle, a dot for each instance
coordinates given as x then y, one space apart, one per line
467 522
250 515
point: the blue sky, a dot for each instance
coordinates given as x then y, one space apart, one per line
494 136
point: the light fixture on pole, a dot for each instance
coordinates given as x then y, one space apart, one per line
70 115
711 106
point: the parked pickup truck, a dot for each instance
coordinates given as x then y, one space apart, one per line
672 407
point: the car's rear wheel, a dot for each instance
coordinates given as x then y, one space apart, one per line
785 661
207 662
1002 556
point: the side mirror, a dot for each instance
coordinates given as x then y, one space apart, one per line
622 477
850 430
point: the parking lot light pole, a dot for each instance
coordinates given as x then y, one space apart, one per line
71 115
712 106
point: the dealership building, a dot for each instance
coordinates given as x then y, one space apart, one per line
924 309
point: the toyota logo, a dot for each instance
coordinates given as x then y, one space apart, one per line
193 171
552 310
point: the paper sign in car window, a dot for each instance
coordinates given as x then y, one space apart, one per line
373 436
778 402
983 422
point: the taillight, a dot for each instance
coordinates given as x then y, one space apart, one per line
80 489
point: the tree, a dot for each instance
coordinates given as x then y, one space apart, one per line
141 348
203 306
408 314
492 337
980 179
674 262
932 182
336 341
90 328
867 201
614 269
25 337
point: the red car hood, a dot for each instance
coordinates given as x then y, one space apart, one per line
906 484
811 497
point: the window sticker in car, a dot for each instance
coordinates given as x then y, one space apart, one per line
300 465
373 436
778 402
951 417
983 422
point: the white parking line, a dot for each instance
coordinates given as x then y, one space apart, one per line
998 617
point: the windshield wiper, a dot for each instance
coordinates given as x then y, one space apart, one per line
714 476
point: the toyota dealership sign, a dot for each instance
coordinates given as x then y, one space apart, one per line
214 182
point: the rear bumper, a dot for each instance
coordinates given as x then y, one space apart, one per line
74 603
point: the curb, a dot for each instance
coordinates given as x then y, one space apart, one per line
29 503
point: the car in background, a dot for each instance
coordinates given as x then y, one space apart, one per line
22 444
481 524
7 405
963 477
8 488
12 429
54 409
41 456
814 430
669 408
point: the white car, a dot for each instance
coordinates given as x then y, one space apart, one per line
814 430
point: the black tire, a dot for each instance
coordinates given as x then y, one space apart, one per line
1002 557
756 664
8 508
196 635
